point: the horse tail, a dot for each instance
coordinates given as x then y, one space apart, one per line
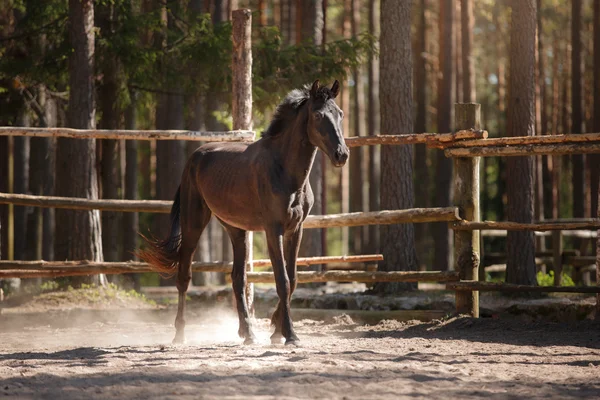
163 255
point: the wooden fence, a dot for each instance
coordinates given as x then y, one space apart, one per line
466 146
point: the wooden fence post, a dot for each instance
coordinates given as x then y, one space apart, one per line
242 102
466 198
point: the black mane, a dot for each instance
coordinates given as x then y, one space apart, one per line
288 110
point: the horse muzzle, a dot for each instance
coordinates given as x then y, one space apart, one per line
340 157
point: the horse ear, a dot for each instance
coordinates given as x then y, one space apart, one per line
335 89
314 88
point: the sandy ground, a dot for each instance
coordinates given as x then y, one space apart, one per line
74 355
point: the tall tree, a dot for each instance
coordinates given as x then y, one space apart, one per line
41 180
395 97
78 235
20 185
468 61
421 168
577 108
356 156
345 32
595 159
520 246
373 128
441 234
170 154
131 220
108 93
3 189
311 31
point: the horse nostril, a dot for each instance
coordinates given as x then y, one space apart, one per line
341 157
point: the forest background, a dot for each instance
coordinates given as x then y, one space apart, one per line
165 64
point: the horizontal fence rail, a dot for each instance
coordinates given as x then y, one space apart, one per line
360 276
440 214
541 226
437 140
225 136
509 287
40 268
557 149
582 234
527 140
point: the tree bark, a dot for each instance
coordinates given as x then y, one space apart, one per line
457 56
20 185
345 105
595 159
357 237
130 221
545 184
78 235
108 93
577 109
41 183
395 97
312 33
373 127
4 189
441 234
421 168
468 61
520 267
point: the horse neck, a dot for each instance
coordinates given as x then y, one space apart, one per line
298 153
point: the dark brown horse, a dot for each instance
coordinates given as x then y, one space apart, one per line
262 186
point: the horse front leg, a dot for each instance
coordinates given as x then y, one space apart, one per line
276 253
291 246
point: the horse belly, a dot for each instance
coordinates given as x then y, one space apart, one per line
239 212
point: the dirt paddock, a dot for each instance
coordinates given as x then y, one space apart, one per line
127 354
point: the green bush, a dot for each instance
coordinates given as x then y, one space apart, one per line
548 279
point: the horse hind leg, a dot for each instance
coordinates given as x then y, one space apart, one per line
195 215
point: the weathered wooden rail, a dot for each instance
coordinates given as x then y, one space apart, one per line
226 136
45 269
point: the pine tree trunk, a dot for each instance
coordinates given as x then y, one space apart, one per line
441 234
345 105
108 93
595 158
421 169
4 189
457 56
20 185
577 110
468 61
543 114
373 129
131 219
540 243
520 266
311 30
78 235
395 96
356 154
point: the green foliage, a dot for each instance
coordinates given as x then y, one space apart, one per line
548 279
189 55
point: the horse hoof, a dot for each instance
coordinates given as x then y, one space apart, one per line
179 339
250 340
295 342
276 338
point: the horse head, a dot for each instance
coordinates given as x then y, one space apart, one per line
325 123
